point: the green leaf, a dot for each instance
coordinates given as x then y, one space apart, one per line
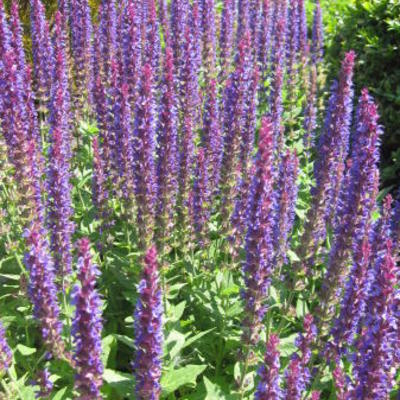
176 378
122 382
60 394
126 340
293 257
107 344
287 346
175 312
25 350
215 392
174 344
192 339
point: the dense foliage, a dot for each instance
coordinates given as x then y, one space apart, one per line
372 29
187 213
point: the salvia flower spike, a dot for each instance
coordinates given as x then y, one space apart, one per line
148 331
269 386
5 351
87 326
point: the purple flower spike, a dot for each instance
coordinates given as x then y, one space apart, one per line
201 197
43 290
265 36
44 383
82 51
189 102
58 173
212 140
317 44
302 28
5 351
43 56
292 46
358 197
277 82
258 266
87 326
152 47
16 36
237 88
269 385
329 167
167 166
376 347
179 16
341 383
144 146
285 203
209 42
226 37
131 50
297 374
148 331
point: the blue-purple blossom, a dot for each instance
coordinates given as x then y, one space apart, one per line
317 43
144 151
58 171
297 373
258 266
42 50
87 326
5 351
43 290
329 165
269 385
375 355
167 149
358 196
44 383
148 331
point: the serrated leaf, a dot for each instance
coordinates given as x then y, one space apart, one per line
176 378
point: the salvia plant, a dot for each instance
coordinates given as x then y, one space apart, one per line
190 209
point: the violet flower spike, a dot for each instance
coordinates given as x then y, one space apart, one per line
358 197
234 121
201 199
269 386
58 173
211 139
42 49
44 383
317 43
43 290
258 267
376 346
5 351
167 149
148 331
297 374
226 37
87 326
144 149
286 198
329 166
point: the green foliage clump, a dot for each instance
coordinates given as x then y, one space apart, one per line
372 29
